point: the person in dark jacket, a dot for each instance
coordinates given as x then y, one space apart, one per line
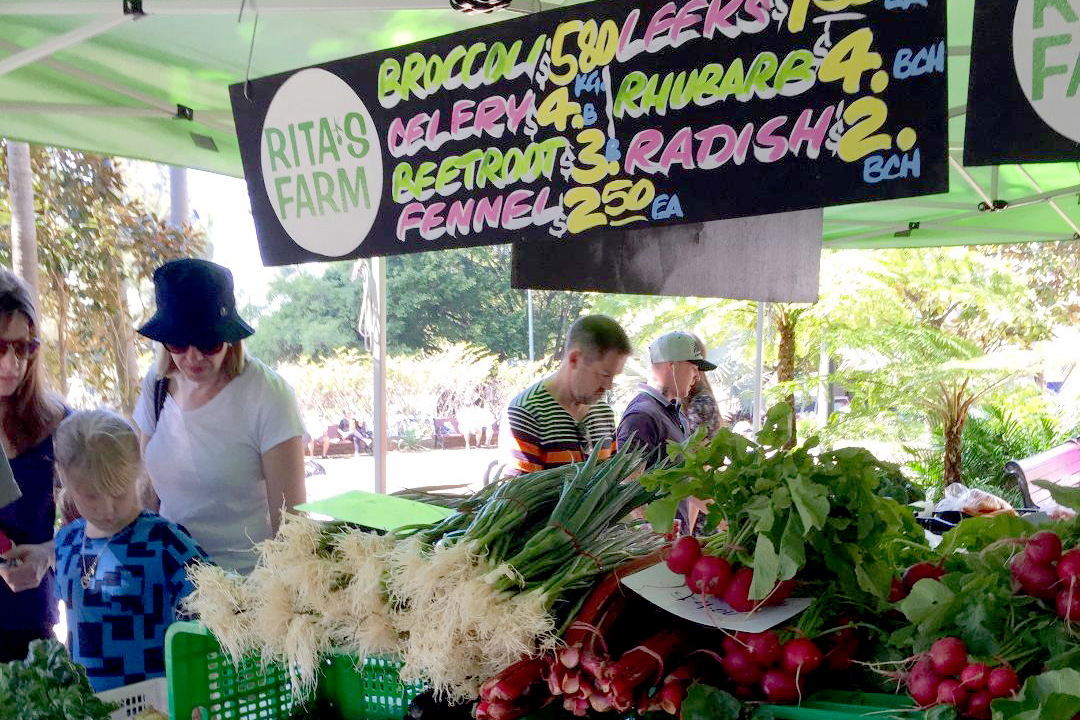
654 415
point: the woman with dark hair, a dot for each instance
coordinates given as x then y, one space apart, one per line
29 413
221 432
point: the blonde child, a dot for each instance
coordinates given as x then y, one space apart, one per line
121 571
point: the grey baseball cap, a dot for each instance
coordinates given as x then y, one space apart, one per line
679 345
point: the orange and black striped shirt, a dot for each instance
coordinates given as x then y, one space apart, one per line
539 433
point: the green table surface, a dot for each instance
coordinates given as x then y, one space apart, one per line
383 512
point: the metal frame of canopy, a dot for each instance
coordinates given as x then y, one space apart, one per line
148 79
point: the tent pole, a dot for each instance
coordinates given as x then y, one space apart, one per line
970 181
532 346
1068 220
758 373
179 207
378 355
215 7
106 111
60 42
825 388
94 79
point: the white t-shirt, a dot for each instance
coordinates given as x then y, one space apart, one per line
205 464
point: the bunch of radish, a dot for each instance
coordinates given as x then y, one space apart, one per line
759 664
946 676
1042 570
717 577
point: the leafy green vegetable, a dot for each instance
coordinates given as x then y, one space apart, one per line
47 685
704 702
788 511
1052 695
977 532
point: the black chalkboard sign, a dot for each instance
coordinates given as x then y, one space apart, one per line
1024 86
599 116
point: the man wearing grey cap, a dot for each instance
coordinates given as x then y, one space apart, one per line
653 417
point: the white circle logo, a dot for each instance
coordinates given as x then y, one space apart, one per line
322 163
1046 53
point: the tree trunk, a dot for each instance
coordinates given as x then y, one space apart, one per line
24 255
785 359
123 342
63 302
953 432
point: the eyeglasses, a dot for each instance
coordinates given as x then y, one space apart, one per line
210 349
23 348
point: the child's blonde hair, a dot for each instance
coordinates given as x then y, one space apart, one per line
103 447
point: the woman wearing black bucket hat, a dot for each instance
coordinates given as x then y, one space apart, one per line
221 431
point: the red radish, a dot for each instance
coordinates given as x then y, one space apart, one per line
921 571
741 668
684 553
1068 567
781 592
949 656
950 692
897 592
973 677
744 692
978 705
1044 547
779 687
765 648
710 575
1035 579
738 591
1068 604
923 687
731 642
801 654
841 657
1002 681
842 654
923 666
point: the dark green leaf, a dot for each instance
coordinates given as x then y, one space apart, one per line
704 702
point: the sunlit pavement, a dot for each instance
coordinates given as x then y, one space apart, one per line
422 468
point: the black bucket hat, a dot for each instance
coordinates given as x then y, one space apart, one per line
195 304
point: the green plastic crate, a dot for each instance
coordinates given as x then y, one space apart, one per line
201 677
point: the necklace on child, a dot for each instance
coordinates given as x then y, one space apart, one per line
91 574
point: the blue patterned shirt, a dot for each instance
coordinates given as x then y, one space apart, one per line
116 625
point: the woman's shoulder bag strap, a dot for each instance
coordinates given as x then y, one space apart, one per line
161 391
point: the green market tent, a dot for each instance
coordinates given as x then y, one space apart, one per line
83 74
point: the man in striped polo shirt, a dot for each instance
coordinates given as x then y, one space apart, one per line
561 418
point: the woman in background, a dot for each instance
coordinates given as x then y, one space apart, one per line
221 432
29 414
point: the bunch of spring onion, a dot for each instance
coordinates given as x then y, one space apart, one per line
480 591
316 587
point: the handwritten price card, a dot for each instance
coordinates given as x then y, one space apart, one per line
601 115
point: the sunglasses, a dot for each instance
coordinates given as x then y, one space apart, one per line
212 348
23 348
